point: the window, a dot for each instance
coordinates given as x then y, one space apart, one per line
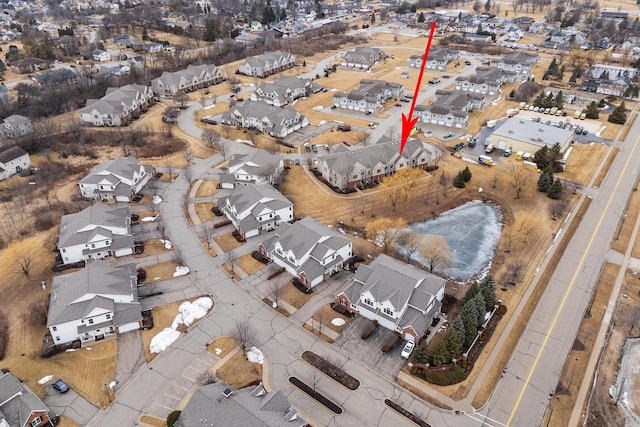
57 338
111 329
108 316
93 246
54 328
388 311
368 302
91 321
36 421
64 250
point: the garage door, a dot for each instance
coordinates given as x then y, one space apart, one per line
502 145
128 327
123 252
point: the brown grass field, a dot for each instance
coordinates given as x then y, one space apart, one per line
160 271
325 315
227 242
153 247
226 344
207 188
248 264
238 372
203 210
293 296
581 154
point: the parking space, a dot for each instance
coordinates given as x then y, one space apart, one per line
369 351
69 404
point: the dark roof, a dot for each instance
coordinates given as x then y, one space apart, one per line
11 154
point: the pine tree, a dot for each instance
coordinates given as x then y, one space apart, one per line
458 327
421 17
487 6
458 181
619 115
488 290
559 100
451 345
421 355
470 329
466 174
545 180
471 293
592 111
555 190
478 301
541 157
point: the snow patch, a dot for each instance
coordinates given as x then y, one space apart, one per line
190 312
167 243
157 200
337 321
69 350
112 384
88 348
254 355
45 380
157 278
149 218
218 351
181 271
318 108
163 339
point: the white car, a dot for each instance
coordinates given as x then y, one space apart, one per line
408 349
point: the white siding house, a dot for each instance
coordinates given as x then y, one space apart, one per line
12 161
120 180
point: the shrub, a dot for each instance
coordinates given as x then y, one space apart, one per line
172 418
502 310
4 335
369 330
452 376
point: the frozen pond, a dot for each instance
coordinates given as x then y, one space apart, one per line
472 232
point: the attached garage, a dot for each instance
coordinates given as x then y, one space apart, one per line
123 252
133 326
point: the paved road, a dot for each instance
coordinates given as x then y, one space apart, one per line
522 395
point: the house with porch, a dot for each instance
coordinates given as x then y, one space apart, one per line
12 161
362 57
284 91
397 295
192 78
118 106
267 64
257 167
438 59
95 303
253 209
270 120
349 169
369 97
120 180
15 126
19 405
308 250
96 232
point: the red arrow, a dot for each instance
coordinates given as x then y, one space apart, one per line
409 122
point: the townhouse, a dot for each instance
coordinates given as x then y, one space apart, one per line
520 62
256 167
369 97
192 78
120 180
486 81
15 126
438 59
450 108
12 161
118 106
283 91
267 64
362 57
270 120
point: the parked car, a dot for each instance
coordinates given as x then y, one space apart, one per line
434 81
472 143
408 349
60 385
584 131
467 62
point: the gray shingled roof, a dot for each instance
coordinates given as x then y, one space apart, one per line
247 407
74 295
121 168
257 163
79 227
256 199
11 154
17 400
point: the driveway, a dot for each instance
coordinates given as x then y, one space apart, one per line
369 351
70 404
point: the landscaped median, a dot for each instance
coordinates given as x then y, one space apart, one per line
331 370
316 396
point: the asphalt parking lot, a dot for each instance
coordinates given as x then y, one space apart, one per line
70 404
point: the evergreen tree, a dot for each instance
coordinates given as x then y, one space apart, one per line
451 345
481 310
421 17
470 329
592 110
466 174
604 75
541 157
488 290
545 180
145 35
555 190
559 101
421 354
549 101
458 327
619 115
458 181
471 293
373 18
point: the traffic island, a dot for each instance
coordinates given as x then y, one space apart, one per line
331 370
316 396
408 415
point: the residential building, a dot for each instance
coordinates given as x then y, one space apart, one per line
100 55
120 180
397 295
612 72
96 232
307 250
528 136
59 77
192 78
115 69
29 65
12 161
94 303
362 57
283 91
520 62
15 126
270 120
486 81
5 96
218 404
349 169
19 405
118 106
255 208
438 59
369 97
267 64
257 167
450 108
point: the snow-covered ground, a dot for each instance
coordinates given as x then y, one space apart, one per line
45 380
163 339
254 355
188 312
157 200
181 271
167 243
149 218
338 321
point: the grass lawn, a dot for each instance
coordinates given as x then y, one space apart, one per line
238 372
293 296
203 210
153 247
326 314
248 264
225 344
227 242
207 188
583 154
161 271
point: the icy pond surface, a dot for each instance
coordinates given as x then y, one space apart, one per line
472 232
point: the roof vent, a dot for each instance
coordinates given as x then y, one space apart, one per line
540 130
227 392
510 130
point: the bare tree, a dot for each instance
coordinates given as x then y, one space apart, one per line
253 134
435 250
231 260
275 290
409 241
207 233
23 263
314 378
179 257
169 168
244 335
557 209
494 181
222 147
187 173
211 137
514 271
319 318
444 181
188 155
181 99
519 179
392 132
225 130
635 320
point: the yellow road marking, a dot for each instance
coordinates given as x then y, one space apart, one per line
571 283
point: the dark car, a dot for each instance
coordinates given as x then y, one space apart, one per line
60 385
